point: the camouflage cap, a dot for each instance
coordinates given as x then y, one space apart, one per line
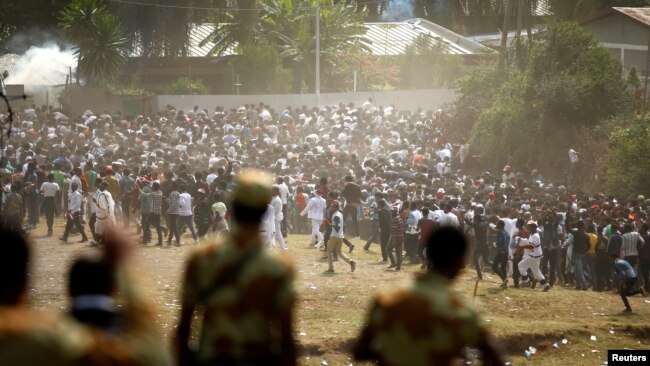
253 188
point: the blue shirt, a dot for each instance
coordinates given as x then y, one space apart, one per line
503 241
624 270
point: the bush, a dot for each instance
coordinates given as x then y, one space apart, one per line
187 86
627 170
563 85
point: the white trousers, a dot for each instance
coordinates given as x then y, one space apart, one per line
278 234
532 263
315 231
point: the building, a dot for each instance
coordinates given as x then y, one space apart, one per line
383 40
625 32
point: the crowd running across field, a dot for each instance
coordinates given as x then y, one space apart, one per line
339 172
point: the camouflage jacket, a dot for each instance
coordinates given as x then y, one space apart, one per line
242 293
30 337
425 324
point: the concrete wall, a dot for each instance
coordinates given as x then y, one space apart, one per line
404 99
99 100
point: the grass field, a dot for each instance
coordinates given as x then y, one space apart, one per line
331 307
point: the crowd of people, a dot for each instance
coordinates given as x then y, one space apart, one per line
340 172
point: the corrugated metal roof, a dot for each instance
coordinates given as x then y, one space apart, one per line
199 32
9 62
391 39
542 8
639 14
386 39
494 39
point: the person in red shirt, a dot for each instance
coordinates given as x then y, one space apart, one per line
301 203
426 227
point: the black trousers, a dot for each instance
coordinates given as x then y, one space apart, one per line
202 229
351 211
500 265
384 238
126 210
398 247
91 223
146 227
629 287
644 268
76 222
154 220
480 251
515 269
374 233
550 261
49 209
173 229
411 246
285 220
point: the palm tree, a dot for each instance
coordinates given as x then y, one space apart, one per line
236 25
289 26
97 37
102 55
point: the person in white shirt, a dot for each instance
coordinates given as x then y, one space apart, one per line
104 214
49 191
267 227
185 212
75 200
276 203
284 197
412 233
532 257
212 176
315 211
74 179
445 217
336 239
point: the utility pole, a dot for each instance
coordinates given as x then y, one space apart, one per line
504 34
647 69
318 52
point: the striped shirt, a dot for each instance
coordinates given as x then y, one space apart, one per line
174 203
397 229
372 211
628 248
156 202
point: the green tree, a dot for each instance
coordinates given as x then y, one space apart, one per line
629 157
426 63
633 78
161 28
289 26
568 86
261 71
98 39
187 86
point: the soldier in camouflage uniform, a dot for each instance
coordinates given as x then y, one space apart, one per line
426 324
29 337
246 294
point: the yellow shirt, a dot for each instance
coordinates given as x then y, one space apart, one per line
593 241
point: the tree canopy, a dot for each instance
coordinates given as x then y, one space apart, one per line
98 39
555 92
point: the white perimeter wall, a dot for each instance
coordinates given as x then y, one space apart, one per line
402 100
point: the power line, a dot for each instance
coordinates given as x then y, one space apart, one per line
130 2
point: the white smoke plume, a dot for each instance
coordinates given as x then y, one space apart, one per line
398 10
44 65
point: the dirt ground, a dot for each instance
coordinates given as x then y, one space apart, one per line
331 307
